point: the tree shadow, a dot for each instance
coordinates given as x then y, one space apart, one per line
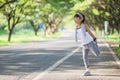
31 60
28 61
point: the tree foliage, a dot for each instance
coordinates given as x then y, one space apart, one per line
104 10
52 12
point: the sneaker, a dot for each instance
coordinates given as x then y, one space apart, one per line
87 73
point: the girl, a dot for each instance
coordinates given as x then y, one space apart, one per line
88 40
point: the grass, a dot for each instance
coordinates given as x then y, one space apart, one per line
21 36
113 39
117 50
108 38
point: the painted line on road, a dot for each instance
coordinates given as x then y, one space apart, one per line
115 57
38 77
113 54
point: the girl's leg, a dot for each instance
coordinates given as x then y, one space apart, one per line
85 56
94 48
86 61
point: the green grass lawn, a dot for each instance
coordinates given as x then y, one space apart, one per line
23 36
113 40
117 50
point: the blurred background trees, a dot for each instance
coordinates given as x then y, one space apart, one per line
48 12
50 15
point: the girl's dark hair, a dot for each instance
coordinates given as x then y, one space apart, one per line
77 15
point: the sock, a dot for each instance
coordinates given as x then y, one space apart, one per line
87 69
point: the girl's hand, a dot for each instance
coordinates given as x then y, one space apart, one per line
95 39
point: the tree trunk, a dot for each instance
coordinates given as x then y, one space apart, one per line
45 29
34 27
112 30
10 34
9 30
119 38
36 32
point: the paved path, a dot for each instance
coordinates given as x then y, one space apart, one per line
55 59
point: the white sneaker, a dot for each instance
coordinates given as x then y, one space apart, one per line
87 73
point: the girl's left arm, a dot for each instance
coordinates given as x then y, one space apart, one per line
90 32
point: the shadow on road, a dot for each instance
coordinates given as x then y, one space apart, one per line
16 61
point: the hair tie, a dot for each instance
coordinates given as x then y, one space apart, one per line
80 15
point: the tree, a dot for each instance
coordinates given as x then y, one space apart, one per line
31 11
3 3
13 12
56 10
105 10
35 11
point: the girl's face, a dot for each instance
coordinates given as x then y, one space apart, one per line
77 20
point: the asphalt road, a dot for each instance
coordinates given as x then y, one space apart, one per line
56 59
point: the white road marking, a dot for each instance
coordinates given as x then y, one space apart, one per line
113 54
115 57
38 77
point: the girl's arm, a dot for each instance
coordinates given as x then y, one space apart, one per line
90 32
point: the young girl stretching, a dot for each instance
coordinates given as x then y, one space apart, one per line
88 40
